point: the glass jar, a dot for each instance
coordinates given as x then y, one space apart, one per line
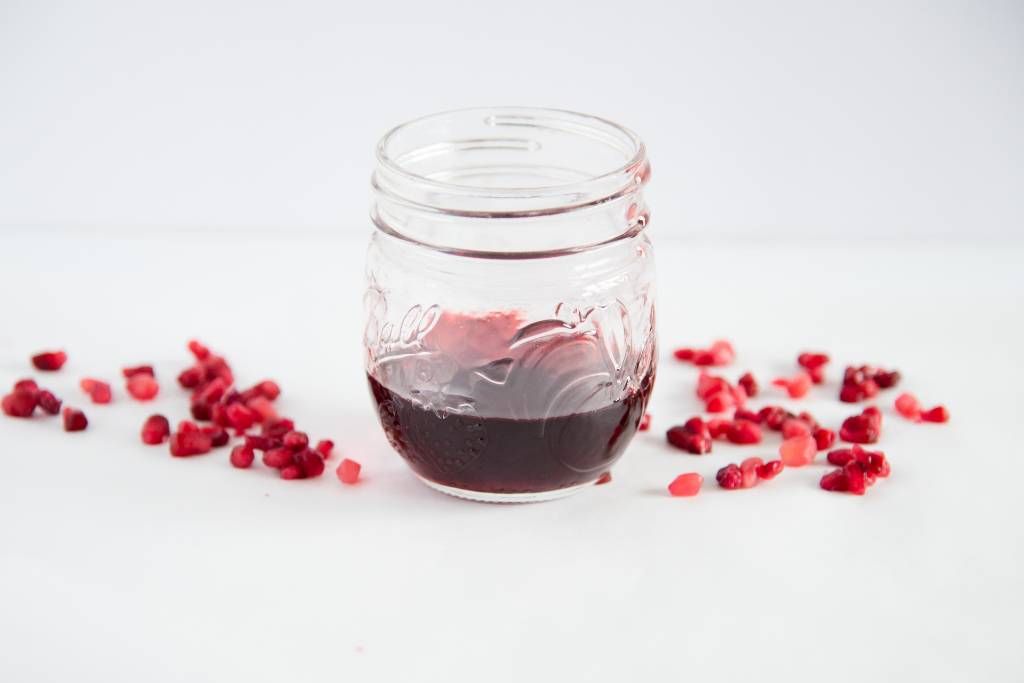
510 338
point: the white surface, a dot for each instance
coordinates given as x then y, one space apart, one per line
821 119
119 563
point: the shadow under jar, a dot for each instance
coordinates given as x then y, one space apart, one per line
510 337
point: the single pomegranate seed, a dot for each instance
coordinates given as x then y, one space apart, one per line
695 425
684 354
798 451
186 443
218 435
722 352
855 483
834 481
720 402
74 420
683 438
142 387
749 384
863 428
269 389
192 377
348 471
842 456
707 385
886 380
240 416
187 426
744 432
201 411
645 423
278 427
908 406
797 386
605 478
156 429
48 402
311 463
748 468
98 391
20 403
198 350
851 393
703 357
773 417
748 415
26 385
138 370
290 471
870 388
824 438
261 443
242 456
325 447
794 426
295 440
211 392
262 407
812 360
770 469
730 477
49 361
278 457
717 427
936 414
686 485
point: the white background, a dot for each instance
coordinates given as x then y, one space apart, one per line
826 176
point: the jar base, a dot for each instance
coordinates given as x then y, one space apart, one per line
486 497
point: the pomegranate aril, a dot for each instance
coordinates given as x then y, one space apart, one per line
201 411
841 456
722 352
20 403
311 463
748 415
278 457
242 456
718 427
824 438
290 471
798 451
720 402
269 389
49 361
748 468
605 478
682 438
74 420
218 435
278 427
908 406
863 428
138 370
684 354
48 402
184 444
936 414
262 407
211 392
885 380
793 427
348 471
710 384
773 417
729 477
142 387
834 481
749 384
797 386
645 423
695 425
686 485
198 350
851 393
854 475
770 469
98 390
187 426
192 377
296 440
325 447
156 429
744 432
261 443
26 385
240 416
812 360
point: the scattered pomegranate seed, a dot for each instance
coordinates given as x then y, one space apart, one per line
278 457
720 352
49 361
683 354
744 432
815 364
710 384
773 417
605 478
863 428
98 391
211 392
240 416
749 384
748 415
242 456
198 350
686 485
794 426
269 389
798 451
261 443
201 411
142 387
693 436
218 436
886 380
192 377
186 443
770 469
20 402
854 479
730 477
325 447
277 428
155 430
138 370
717 427
824 438
74 420
748 468
310 462
263 408
834 481
797 386
645 423
26 385
187 426
720 402
936 414
348 471
48 402
865 381
296 441
289 471
908 406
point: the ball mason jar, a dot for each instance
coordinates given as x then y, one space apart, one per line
510 329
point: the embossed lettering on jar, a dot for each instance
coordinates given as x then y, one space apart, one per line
510 339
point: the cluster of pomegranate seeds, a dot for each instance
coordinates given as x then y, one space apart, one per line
858 469
796 386
814 364
98 390
909 407
863 428
748 473
26 396
720 352
718 394
865 382
49 361
693 436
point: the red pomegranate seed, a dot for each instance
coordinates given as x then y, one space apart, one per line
749 384
20 403
684 354
242 456
730 477
186 443
834 481
138 370
198 350
278 457
682 438
863 428
886 380
212 392
348 471
279 427
263 408
218 435
290 471
261 443
707 385
49 361
269 389
201 411
744 432
812 360
797 386
26 385
936 414
770 469
142 387
748 468
851 393
854 475
870 388
772 417
824 438
798 451
155 430
187 426
240 416
748 415
605 478
311 463
74 420
645 423
720 402
794 426
908 406
98 391
295 440
686 485
703 357
695 425
325 447
48 402
717 427
192 377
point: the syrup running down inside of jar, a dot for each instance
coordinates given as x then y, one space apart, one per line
491 404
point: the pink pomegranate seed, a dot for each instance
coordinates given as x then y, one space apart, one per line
684 354
278 457
218 435
748 469
798 451
710 384
834 481
98 391
717 427
770 469
263 408
605 478
908 406
74 420
824 438
348 471
155 430
142 387
184 444
192 377
645 423
812 360
48 402
325 448
20 403
797 386
794 427
686 485
198 350
311 463
49 361
138 370
722 352
295 440
936 414
744 432
290 471
749 384
720 402
242 456
730 477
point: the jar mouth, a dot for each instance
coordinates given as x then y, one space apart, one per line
500 162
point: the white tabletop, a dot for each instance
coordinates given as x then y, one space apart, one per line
120 563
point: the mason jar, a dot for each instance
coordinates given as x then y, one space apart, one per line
510 328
